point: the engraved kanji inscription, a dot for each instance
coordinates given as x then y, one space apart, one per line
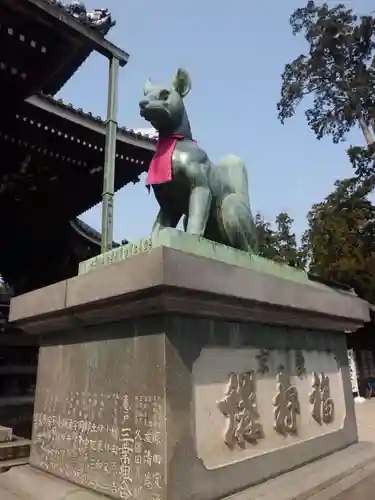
300 364
263 360
115 448
286 405
239 406
320 399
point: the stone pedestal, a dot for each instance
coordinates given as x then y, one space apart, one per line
171 375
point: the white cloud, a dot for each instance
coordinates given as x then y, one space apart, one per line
149 132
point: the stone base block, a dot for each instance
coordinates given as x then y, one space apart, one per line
179 376
167 407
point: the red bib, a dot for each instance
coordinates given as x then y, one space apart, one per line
160 169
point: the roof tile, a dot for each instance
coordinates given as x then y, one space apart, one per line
79 111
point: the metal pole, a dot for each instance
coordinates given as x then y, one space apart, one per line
109 158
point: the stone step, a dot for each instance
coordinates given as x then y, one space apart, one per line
323 479
5 465
18 448
17 441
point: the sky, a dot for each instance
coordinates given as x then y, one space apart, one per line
235 53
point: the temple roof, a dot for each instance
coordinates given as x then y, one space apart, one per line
98 20
145 137
56 154
53 173
90 233
43 43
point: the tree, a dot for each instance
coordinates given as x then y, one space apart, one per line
285 239
338 73
278 244
340 239
266 238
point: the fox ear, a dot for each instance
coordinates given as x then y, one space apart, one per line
181 82
147 87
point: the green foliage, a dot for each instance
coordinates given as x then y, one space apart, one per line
266 238
285 239
278 244
338 71
341 234
362 160
337 75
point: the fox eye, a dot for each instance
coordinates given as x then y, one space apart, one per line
164 94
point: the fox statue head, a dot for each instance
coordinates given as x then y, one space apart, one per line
164 107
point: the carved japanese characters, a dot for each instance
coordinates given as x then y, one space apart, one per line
300 364
322 404
248 406
239 406
112 443
263 360
286 405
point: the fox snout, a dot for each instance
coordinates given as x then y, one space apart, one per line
155 111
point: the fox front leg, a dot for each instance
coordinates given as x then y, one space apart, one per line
164 219
199 210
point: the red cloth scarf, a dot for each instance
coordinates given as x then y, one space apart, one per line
160 169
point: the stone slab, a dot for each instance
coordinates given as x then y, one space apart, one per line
200 247
99 417
16 448
147 279
6 434
46 300
324 479
344 475
198 377
210 381
363 490
28 483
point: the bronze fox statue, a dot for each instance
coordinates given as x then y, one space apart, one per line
214 199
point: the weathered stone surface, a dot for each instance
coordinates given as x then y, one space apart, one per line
184 377
236 293
347 472
119 254
229 418
131 408
325 479
26 482
201 247
99 417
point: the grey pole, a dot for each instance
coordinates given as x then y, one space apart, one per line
109 158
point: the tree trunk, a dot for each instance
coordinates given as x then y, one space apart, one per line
365 131
372 125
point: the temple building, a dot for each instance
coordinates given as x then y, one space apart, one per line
55 173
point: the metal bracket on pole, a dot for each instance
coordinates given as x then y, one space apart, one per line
109 158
